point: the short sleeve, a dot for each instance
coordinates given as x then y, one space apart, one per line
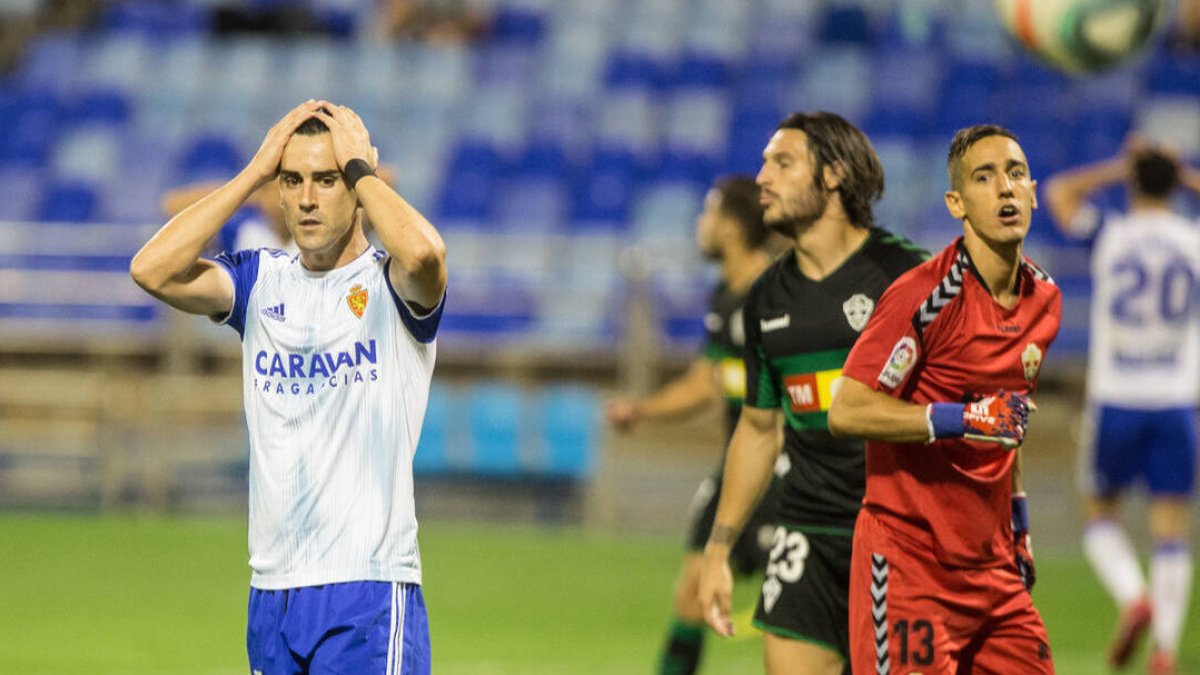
762 386
889 349
242 267
424 327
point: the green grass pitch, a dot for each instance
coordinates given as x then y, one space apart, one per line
140 595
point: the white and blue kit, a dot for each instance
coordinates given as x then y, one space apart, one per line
336 371
1144 357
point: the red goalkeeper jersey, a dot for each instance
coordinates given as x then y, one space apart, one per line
939 336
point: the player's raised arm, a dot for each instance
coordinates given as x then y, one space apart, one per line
169 266
419 276
749 465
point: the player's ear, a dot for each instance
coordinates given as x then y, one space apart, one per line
954 204
1033 193
833 174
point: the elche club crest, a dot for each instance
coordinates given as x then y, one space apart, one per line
858 311
357 300
1031 359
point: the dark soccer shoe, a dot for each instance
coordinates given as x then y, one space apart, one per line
1135 619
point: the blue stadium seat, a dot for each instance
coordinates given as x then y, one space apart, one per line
67 202
635 69
105 106
471 174
570 431
432 455
494 413
154 19
604 190
843 25
209 156
517 25
33 128
497 310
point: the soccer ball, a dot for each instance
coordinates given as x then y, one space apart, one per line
1082 36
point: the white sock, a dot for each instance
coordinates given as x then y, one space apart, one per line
1170 585
1112 558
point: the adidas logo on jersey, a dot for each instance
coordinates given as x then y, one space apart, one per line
275 312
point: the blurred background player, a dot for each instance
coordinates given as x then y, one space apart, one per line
729 231
338 352
818 181
1143 384
939 385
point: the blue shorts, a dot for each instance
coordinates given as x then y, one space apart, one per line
367 627
1158 446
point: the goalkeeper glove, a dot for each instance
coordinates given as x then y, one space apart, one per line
1022 546
999 418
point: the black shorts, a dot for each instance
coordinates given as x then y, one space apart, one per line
806 589
749 553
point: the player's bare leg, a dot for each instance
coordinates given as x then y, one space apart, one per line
785 656
1170 578
685 641
1116 565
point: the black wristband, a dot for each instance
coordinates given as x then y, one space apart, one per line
355 170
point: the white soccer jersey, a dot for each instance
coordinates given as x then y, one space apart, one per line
1145 323
337 371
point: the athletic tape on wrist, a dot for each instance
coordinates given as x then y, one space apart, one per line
356 170
946 419
1020 513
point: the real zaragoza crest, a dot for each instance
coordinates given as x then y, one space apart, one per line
357 299
858 310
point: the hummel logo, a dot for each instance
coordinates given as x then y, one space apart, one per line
275 312
780 323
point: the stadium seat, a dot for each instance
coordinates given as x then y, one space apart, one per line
495 413
570 431
471 174
208 156
33 128
517 25
67 202
844 24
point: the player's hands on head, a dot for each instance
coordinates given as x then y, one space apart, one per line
265 164
716 593
999 418
351 140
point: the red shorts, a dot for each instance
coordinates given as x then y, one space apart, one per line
911 614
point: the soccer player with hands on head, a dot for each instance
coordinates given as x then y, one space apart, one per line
1143 384
338 350
939 385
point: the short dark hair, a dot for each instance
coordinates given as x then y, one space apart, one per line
963 140
739 201
833 140
313 126
1155 174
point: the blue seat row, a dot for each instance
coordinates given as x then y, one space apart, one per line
498 430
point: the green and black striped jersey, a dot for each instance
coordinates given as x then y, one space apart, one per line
725 339
798 334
